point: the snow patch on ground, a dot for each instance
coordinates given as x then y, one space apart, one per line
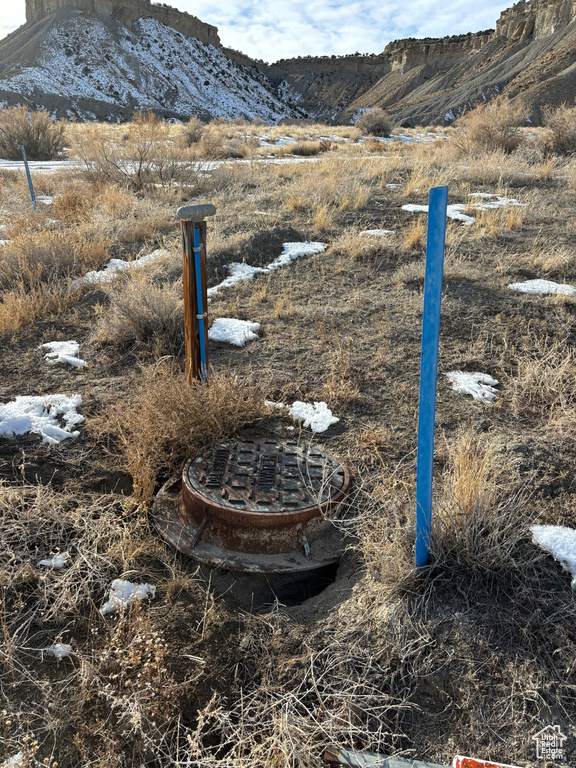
543 287
16 761
456 210
39 166
240 272
452 212
123 593
58 650
233 331
488 201
116 266
41 415
560 542
377 232
58 561
479 385
63 352
317 416
46 199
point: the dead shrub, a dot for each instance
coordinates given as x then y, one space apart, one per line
492 126
24 304
43 138
145 157
307 148
168 420
42 257
375 122
560 138
192 131
71 206
145 313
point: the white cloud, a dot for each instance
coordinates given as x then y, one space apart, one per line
274 29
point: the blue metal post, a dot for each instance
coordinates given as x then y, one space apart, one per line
201 316
437 204
28 175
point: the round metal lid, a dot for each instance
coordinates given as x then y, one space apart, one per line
266 475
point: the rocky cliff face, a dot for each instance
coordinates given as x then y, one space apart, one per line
531 54
96 66
423 81
539 19
127 12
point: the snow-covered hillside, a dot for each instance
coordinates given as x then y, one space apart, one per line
85 60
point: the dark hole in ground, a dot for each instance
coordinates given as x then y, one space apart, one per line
258 592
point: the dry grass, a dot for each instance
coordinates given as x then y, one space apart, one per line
143 313
467 655
46 256
118 668
24 304
543 389
414 235
167 420
480 521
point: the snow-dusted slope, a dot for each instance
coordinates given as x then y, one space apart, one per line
82 61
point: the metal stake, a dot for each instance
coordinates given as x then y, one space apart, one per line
32 195
437 204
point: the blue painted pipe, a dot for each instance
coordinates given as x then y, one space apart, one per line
435 243
199 302
32 195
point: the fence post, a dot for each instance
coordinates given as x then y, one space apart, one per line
435 242
32 195
193 231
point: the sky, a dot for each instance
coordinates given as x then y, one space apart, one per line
275 29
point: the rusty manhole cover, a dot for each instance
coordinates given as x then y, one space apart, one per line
260 505
268 476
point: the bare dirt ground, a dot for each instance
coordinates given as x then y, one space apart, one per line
473 654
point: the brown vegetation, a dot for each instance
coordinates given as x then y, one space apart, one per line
472 654
43 139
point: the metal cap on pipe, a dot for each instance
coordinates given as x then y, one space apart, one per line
196 213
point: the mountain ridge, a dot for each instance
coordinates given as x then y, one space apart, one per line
529 54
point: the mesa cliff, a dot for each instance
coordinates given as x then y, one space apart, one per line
127 12
528 54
